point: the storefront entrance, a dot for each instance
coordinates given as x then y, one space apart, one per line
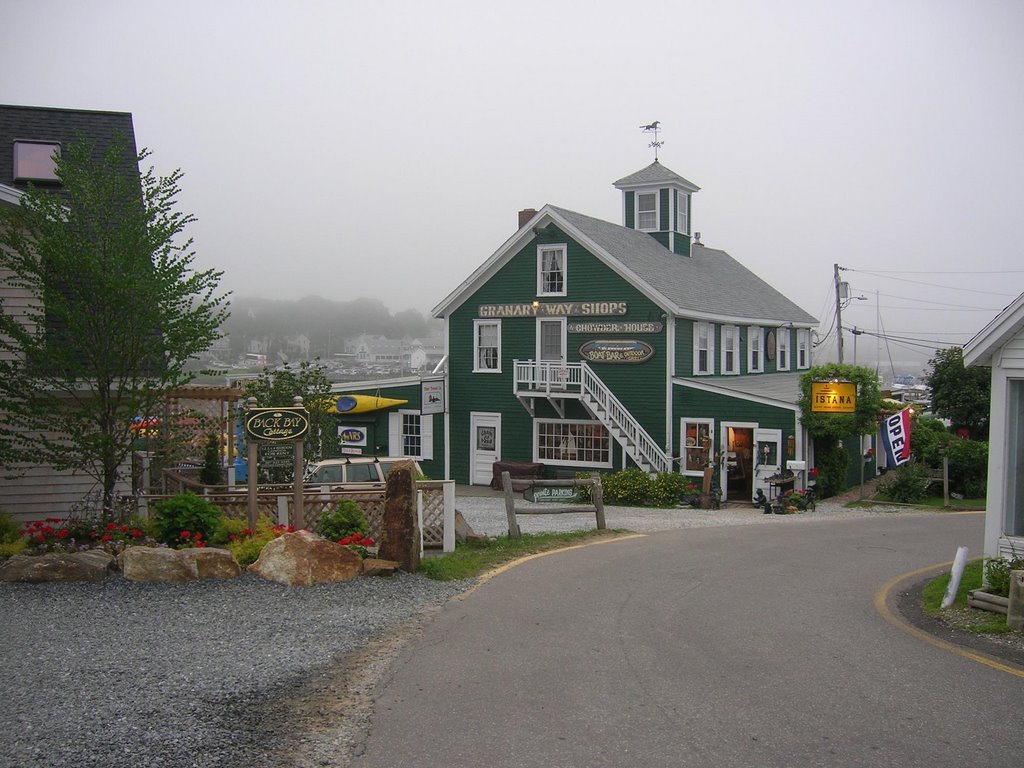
738 461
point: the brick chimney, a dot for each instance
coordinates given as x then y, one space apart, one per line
525 215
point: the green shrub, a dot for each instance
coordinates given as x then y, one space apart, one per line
832 462
631 487
997 574
184 514
968 467
346 519
12 548
211 473
906 485
10 531
930 436
669 489
228 529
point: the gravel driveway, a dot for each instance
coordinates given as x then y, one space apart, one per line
235 673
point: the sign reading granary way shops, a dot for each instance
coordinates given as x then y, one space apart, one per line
833 397
612 327
616 351
276 424
552 309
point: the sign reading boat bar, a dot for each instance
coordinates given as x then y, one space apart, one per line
616 351
564 309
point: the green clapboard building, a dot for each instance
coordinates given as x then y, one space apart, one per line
586 345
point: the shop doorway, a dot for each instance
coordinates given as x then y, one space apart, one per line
485 446
737 472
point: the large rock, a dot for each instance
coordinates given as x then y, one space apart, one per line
177 565
374 566
91 565
302 558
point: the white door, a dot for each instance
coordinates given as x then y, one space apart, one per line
551 353
767 457
484 446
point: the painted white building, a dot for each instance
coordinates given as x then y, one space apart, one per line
1000 346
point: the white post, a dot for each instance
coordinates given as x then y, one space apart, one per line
959 562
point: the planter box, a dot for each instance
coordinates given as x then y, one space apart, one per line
986 601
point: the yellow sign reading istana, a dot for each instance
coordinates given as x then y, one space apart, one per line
833 397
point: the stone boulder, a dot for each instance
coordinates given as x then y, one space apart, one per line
177 565
302 558
91 565
374 566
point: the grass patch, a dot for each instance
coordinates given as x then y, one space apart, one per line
959 615
473 558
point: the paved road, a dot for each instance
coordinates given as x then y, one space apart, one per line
742 646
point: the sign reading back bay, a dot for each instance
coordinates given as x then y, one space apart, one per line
276 424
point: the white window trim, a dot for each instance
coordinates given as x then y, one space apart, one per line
731 332
782 350
683 199
573 462
683 423
803 342
563 249
696 349
476 346
395 436
755 342
657 211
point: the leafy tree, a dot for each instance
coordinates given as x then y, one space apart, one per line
828 429
960 394
115 311
308 381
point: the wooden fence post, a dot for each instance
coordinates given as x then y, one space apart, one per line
1015 609
597 496
510 506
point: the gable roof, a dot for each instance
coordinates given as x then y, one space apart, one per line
982 347
655 173
709 284
63 126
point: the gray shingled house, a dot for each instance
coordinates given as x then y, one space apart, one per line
29 137
581 344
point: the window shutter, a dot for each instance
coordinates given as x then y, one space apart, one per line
427 437
395 434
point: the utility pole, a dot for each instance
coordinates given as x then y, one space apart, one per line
839 314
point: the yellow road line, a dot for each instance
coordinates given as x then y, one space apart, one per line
484 578
882 606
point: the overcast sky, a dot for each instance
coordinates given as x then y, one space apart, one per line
352 149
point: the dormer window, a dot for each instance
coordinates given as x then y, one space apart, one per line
647 211
683 213
551 272
35 161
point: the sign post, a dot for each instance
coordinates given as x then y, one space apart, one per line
276 425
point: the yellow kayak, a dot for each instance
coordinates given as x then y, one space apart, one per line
362 403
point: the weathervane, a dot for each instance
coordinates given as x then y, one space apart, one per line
653 128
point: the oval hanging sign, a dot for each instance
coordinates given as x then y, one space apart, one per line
276 424
616 351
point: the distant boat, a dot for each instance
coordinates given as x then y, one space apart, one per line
362 403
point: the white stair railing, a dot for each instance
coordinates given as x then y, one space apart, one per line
621 423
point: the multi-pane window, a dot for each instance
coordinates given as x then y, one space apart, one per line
573 442
730 349
487 346
755 347
803 348
683 213
703 348
551 270
412 436
698 445
782 351
647 211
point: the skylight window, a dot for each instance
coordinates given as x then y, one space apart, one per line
35 161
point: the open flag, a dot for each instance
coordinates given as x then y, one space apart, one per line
896 438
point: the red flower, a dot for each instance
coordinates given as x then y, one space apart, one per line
232 537
39 537
186 535
111 526
346 541
124 527
367 542
247 532
136 533
197 535
200 544
106 537
291 529
63 533
356 536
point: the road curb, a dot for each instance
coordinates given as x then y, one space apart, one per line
886 605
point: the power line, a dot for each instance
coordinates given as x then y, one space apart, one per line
935 285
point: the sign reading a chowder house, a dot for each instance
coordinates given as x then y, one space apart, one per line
616 351
276 424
